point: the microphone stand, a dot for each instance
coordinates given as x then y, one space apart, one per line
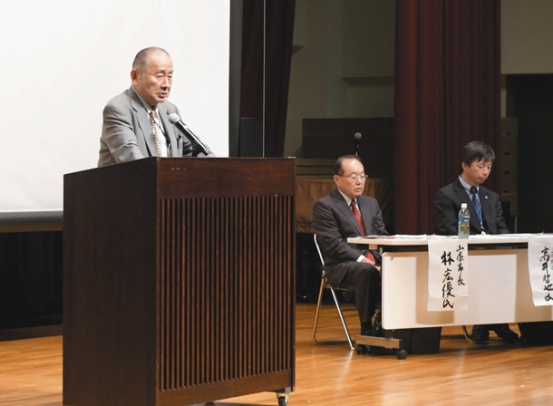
195 147
357 137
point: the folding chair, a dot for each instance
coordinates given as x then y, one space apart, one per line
333 289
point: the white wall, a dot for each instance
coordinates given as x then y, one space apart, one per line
526 36
526 40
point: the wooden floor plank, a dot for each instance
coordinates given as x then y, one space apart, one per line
330 374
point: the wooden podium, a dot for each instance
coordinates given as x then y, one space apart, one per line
178 281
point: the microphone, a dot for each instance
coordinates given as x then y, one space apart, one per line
357 137
177 122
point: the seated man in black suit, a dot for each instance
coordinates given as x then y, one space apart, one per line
486 214
346 212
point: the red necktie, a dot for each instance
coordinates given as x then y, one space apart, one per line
357 215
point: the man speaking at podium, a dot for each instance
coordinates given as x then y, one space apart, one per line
140 122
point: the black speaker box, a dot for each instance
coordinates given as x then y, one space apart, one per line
537 333
250 143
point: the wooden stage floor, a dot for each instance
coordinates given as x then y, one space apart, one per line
330 374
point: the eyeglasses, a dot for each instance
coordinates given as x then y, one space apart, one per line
353 177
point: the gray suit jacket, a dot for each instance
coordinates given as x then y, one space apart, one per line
447 203
127 134
334 223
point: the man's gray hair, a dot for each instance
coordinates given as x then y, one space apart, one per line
142 57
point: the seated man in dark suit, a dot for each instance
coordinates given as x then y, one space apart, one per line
486 214
346 212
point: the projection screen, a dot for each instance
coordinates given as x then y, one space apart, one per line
64 59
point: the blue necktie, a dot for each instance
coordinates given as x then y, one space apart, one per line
476 203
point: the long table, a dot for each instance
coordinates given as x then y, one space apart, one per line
498 282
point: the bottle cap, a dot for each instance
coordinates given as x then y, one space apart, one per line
463 205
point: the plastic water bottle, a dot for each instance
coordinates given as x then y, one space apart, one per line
464 221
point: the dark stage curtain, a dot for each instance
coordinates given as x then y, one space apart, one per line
30 279
273 21
447 93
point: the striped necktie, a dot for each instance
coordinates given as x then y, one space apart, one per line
153 124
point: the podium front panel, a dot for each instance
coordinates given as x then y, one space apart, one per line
180 281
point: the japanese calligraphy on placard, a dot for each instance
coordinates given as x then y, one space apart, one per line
540 267
447 274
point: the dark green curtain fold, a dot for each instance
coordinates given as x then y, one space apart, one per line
447 93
